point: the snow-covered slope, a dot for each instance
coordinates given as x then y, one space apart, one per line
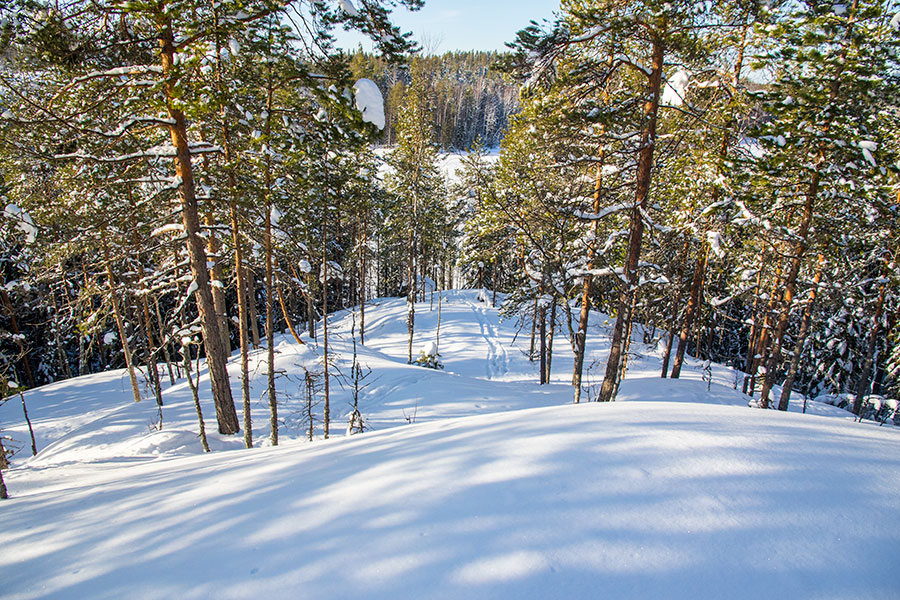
474 482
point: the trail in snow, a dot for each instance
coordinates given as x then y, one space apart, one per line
497 359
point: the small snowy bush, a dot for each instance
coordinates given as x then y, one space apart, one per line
429 357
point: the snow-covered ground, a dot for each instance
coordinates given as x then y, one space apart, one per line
473 482
448 163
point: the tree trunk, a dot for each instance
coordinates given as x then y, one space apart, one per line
120 325
751 340
285 313
437 334
587 287
761 347
670 335
250 279
270 328
785 400
362 281
60 347
411 298
691 310
644 176
218 290
789 285
4 495
270 280
14 325
862 387
243 334
494 282
28 422
151 351
147 323
212 340
543 348
550 339
326 388
195 394
626 346
167 348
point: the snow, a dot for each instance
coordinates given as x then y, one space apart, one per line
605 212
370 102
450 164
895 21
23 222
347 7
714 239
676 85
473 482
868 147
168 228
119 72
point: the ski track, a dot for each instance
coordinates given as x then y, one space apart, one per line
497 360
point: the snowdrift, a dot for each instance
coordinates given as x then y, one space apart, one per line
473 482
620 501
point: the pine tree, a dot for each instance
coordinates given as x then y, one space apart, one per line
417 184
834 65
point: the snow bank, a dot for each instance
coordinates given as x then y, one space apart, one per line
619 501
677 491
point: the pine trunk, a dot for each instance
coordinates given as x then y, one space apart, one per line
587 288
212 340
691 311
270 329
761 346
243 334
147 322
411 299
252 312
751 340
362 282
195 394
4 495
123 337
644 176
790 283
785 400
60 348
534 320
550 339
151 351
862 387
14 326
168 348
326 389
270 281
218 289
543 344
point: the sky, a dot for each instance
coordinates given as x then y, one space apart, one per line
445 25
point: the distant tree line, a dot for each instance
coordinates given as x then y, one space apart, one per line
470 100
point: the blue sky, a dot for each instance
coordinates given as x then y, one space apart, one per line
465 24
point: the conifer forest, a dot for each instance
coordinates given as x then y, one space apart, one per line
193 191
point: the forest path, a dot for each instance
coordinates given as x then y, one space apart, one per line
497 359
